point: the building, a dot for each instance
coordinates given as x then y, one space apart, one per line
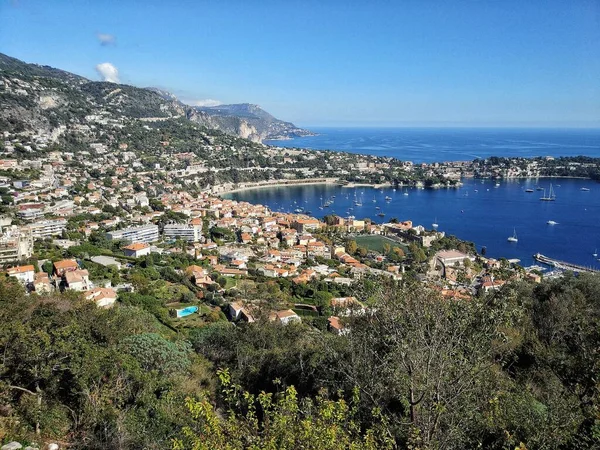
30 211
185 232
25 274
41 283
286 316
15 245
77 280
137 249
106 261
46 228
103 297
143 233
306 225
64 266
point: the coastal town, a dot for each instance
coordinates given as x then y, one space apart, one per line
126 198
183 265
94 223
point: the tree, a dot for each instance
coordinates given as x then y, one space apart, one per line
156 353
279 421
433 362
351 247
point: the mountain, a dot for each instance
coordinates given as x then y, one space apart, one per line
38 99
241 119
266 126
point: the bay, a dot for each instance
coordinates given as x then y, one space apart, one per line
478 211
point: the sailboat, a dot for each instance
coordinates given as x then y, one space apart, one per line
513 238
374 201
551 197
435 224
405 192
595 253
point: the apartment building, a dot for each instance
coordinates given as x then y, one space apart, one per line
185 232
142 233
46 228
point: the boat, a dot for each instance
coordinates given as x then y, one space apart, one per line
374 201
405 192
584 189
381 214
377 207
298 210
539 188
388 199
550 198
513 238
595 253
435 224
497 184
552 222
529 190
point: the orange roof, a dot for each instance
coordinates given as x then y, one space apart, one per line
334 322
285 313
136 246
65 264
20 269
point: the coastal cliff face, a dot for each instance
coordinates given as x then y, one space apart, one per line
253 119
233 125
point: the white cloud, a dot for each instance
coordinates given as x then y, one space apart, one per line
108 72
202 102
105 39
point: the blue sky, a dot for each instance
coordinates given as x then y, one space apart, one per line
352 63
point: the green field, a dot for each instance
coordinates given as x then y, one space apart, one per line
375 243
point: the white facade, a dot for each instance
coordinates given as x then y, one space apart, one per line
190 233
15 245
144 233
46 228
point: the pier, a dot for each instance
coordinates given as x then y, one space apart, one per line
562 264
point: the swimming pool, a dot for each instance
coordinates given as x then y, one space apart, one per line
186 311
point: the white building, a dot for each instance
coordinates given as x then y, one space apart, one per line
46 228
143 233
15 245
185 232
25 274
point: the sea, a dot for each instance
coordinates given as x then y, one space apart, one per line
479 211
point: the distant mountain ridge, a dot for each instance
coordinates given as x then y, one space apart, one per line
38 97
241 119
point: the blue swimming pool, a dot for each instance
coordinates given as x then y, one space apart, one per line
186 311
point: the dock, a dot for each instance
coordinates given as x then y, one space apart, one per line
563 264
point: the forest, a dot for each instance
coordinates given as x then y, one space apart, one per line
517 368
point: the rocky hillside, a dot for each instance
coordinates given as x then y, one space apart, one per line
252 119
37 99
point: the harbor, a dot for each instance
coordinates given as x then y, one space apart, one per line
563 264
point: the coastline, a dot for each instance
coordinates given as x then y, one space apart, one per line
262 185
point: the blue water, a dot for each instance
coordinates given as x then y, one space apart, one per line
452 144
477 212
186 311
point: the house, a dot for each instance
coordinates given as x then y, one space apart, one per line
305 225
346 306
64 266
77 280
235 310
137 249
25 274
286 316
41 283
103 297
335 326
